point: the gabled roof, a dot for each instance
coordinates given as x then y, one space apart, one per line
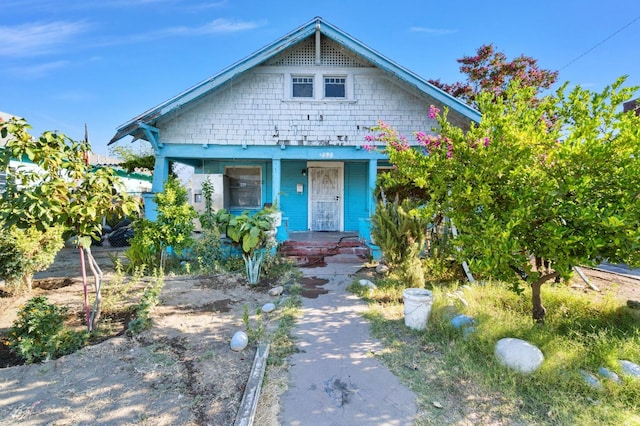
136 127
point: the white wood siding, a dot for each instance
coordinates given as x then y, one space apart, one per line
258 110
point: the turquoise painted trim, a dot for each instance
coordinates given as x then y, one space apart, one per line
135 127
152 134
178 152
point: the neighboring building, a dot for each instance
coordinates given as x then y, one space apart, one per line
286 125
13 164
633 105
135 183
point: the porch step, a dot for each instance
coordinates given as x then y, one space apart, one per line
313 252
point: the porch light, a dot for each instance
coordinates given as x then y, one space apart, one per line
304 172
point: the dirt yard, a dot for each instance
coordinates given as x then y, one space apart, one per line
180 372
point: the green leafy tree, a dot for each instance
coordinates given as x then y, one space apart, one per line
63 191
526 192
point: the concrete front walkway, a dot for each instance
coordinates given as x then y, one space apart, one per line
335 380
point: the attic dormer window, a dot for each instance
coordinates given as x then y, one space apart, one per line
335 87
302 87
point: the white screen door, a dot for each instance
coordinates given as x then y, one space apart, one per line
325 189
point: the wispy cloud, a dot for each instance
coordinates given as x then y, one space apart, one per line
217 26
76 96
434 31
38 70
38 38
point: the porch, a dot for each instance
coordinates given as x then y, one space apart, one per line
314 248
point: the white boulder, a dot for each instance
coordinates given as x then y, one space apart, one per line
239 341
519 355
367 283
382 269
611 375
276 291
630 368
268 307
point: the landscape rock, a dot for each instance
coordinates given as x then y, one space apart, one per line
382 269
633 304
611 375
590 379
519 355
367 283
630 368
239 341
462 320
276 291
268 307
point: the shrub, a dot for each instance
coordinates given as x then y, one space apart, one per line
39 332
24 252
172 228
401 233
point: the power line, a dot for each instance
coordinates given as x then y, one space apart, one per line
600 43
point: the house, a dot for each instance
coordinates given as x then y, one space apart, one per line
632 105
287 125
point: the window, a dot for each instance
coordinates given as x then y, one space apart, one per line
335 87
302 87
245 187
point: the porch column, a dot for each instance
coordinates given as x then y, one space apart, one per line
276 176
160 175
371 185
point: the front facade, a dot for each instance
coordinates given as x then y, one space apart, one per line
286 126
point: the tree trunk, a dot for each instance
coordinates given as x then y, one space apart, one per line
97 275
539 311
27 283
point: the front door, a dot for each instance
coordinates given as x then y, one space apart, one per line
325 200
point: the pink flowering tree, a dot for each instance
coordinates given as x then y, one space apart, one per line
520 187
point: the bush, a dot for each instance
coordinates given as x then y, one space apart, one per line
401 233
172 228
24 252
39 332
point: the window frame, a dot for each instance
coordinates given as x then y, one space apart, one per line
310 83
235 188
343 83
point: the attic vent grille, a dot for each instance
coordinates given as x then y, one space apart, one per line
331 54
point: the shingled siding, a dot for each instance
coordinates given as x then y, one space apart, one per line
256 110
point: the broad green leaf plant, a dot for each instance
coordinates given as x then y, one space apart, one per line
252 234
62 190
536 188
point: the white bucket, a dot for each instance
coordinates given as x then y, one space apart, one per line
417 307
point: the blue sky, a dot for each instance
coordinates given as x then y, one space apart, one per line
103 62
